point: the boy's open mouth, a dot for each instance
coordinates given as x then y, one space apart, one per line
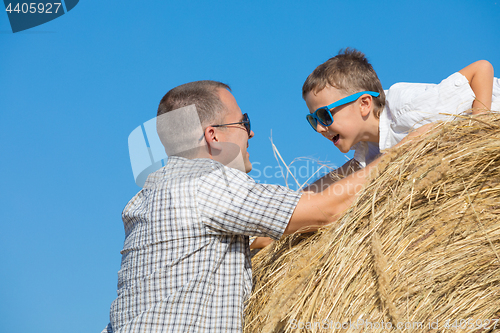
335 139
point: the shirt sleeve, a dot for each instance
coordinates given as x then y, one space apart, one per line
231 202
412 105
495 99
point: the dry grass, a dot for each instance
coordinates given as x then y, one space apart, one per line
421 244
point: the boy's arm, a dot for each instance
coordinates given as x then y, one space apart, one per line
480 77
345 170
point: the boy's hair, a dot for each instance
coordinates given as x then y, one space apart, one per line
350 72
203 94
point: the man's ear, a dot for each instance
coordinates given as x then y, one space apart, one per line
366 105
211 138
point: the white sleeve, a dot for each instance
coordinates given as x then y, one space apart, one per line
411 105
495 100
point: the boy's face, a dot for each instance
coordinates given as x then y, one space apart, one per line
346 129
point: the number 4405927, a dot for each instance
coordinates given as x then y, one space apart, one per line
33 7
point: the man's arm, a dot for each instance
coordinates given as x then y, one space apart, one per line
315 210
318 186
480 77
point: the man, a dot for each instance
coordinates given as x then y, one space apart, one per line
185 264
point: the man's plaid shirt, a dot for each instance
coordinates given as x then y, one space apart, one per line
185 261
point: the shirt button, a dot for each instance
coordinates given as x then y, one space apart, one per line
458 83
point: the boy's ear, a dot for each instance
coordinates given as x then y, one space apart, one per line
366 105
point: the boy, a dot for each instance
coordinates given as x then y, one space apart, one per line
349 107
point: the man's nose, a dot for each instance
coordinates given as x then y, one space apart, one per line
251 134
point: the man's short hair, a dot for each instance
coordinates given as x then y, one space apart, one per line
350 72
203 94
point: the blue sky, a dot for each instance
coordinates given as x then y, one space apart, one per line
73 89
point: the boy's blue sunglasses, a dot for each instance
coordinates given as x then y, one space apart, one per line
323 114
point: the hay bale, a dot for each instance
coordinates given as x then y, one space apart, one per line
420 245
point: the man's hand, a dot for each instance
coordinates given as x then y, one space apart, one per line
261 242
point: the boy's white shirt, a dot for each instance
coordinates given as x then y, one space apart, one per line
411 105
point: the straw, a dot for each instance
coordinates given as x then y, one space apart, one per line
420 247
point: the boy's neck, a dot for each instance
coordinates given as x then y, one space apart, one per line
372 132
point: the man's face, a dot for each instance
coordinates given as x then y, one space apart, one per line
236 134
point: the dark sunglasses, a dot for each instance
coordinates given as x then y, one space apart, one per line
323 114
245 122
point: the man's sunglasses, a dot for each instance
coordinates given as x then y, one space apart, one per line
323 114
245 122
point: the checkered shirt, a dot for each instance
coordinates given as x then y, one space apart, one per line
185 262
